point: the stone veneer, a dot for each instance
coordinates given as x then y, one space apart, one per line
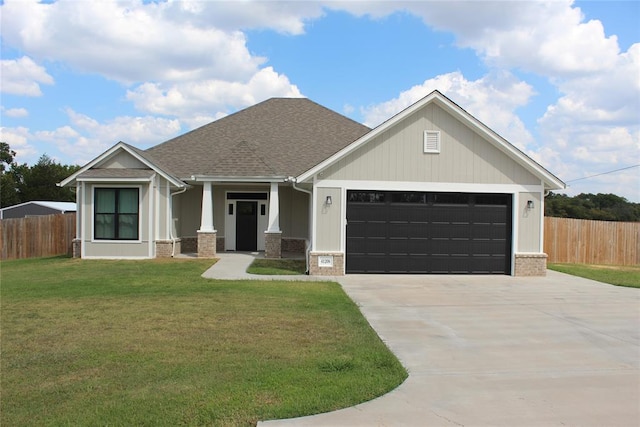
76 248
336 270
273 244
294 245
530 265
207 244
164 248
189 245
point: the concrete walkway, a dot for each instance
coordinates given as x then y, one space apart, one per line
497 351
233 266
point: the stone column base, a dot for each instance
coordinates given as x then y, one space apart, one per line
164 248
76 248
326 264
207 243
530 265
273 244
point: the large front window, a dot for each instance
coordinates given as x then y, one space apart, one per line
116 214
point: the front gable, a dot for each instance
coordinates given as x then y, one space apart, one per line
121 162
399 154
469 151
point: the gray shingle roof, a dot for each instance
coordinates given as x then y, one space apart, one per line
277 137
116 173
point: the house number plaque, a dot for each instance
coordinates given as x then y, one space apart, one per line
325 261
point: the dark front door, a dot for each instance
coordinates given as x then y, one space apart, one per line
246 226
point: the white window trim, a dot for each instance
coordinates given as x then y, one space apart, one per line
93 208
429 145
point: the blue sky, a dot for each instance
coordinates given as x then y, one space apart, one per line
560 80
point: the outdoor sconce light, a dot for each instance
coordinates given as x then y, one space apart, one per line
328 201
529 204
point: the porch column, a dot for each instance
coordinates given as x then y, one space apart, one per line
273 235
207 234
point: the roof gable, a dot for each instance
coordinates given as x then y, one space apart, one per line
279 137
114 163
551 181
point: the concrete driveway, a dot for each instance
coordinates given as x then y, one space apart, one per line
500 351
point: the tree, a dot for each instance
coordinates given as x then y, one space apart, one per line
604 207
6 156
40 181
21 183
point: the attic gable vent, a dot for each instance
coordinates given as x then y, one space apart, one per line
431 141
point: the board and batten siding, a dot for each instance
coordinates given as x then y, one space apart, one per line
529 223
397 155
123 160
328 219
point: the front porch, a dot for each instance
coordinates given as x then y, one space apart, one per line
215 217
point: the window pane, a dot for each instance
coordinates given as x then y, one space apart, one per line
128 202
105 200
105 226
128 226
366 197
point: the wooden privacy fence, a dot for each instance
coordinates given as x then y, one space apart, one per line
584 241
38 236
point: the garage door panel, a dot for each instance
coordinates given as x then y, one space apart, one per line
429 233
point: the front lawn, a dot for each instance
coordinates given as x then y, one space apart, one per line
277 266
152 343
616 275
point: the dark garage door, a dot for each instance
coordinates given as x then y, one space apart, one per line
437 233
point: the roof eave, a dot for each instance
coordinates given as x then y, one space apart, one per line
241 179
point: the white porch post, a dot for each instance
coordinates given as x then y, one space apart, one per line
274 209
207 236
273 235
206 219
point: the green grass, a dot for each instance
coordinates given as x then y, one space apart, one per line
152 343
616 275
277 266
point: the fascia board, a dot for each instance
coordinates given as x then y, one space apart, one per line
241 179
116 179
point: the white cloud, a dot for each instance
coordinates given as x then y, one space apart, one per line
22 76
492 99
86 137
131 41
14 112
201 98
18 140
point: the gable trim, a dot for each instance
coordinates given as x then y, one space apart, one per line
551 181
110 152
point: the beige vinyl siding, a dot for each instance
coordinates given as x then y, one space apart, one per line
162 203
529 223
187 209
294 213
328 220
397 155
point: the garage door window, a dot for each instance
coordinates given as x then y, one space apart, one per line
366 197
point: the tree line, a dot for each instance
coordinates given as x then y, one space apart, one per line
21 183
603 207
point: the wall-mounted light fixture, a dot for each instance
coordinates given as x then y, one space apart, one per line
328 201
530 204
